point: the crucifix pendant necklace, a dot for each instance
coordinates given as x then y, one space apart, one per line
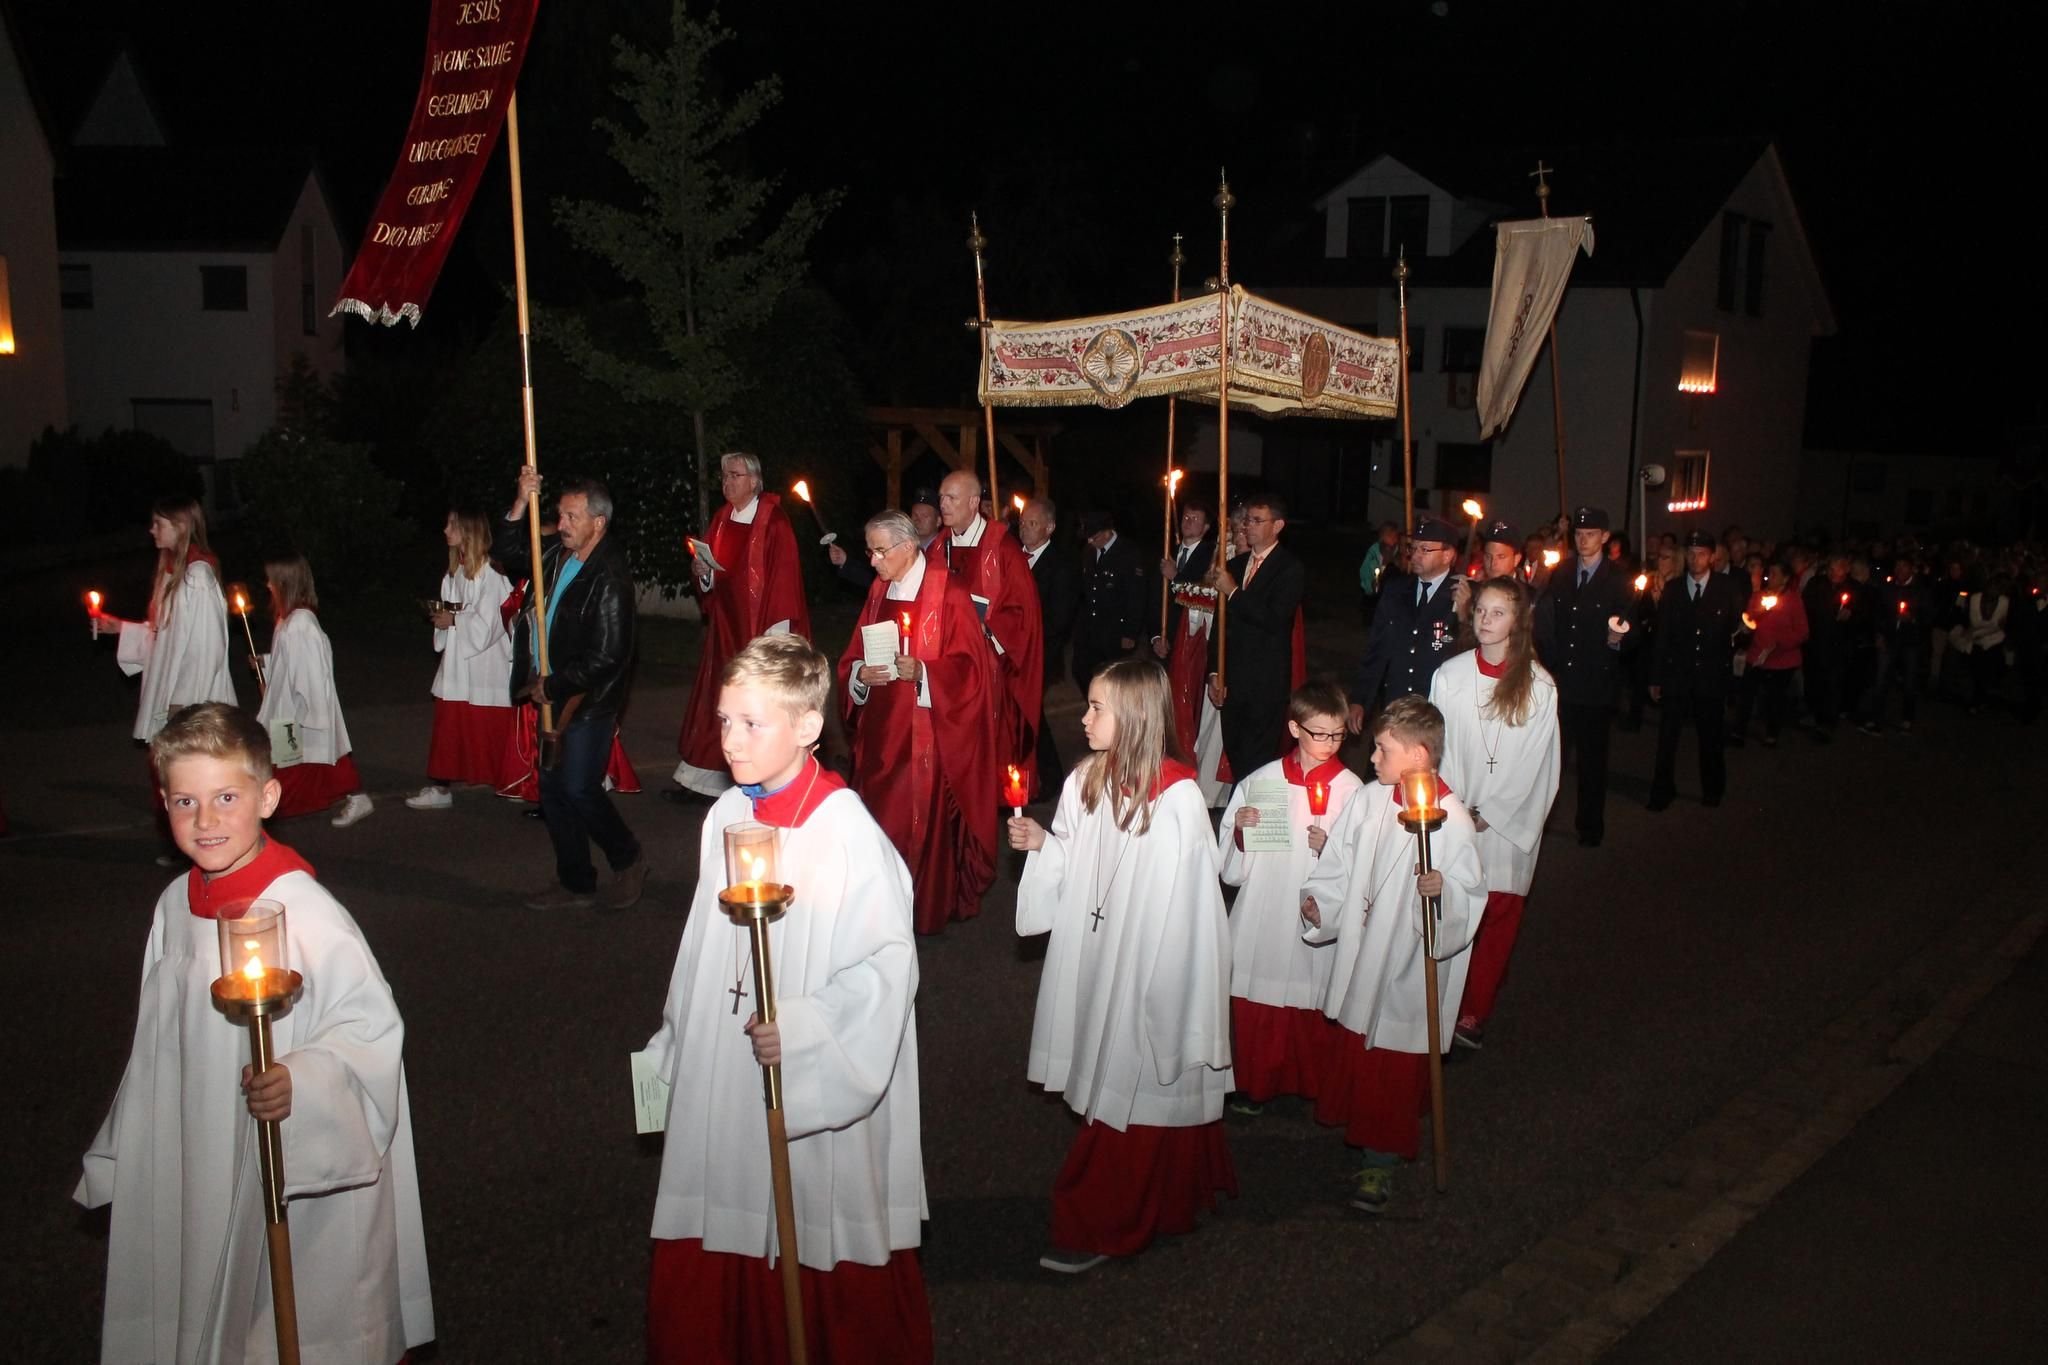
1492 749
1102 892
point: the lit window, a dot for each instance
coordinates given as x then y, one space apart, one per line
1688 481
6 312
1700 367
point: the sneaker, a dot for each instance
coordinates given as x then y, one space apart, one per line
1469 1033
1372 1188
355 808
431 798
622 892
561 898
1063 1262
1244 1104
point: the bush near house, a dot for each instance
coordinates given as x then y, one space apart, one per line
77 485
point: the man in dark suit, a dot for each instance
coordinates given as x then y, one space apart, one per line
1583 651
1263 588
1689 675
1188 563
1415 627
1058 576
1824 592
1113 596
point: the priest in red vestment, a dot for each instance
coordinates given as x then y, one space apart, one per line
984 556
923 728
755 588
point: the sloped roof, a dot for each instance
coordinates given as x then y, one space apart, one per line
171 199
1650 199
12 33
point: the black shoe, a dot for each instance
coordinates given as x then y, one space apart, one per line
1657 803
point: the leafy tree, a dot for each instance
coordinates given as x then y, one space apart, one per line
705 258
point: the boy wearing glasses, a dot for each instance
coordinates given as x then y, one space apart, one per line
1278 983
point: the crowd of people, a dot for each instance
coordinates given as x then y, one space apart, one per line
1489 667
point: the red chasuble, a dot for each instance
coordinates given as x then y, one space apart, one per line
763 583
930 775
998 572
1187 673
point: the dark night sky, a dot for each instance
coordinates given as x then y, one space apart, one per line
1899 124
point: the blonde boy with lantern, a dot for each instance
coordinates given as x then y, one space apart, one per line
845 1035
187 1275
1280 1038
1366 898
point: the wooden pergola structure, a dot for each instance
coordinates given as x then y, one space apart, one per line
897 436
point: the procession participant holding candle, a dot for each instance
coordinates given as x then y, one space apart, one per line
1365 897
1501 755
1264 589
473 714
1582 631
181 647
301 710
590 627
1057 572
759 590
1500 556
1893 627
924 745
1774 654
1131 1027
1415 627
1279 1038
185 1246
1191 612
1689 673
844 1034
985 559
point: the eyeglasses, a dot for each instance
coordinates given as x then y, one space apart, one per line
886 550
1321 736
1259 521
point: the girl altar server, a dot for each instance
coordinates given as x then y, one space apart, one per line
1133 1023
1277 982
301 710
473 687
1501 755
181 647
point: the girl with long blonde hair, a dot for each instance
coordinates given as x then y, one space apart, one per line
309 744
473 713
181 647
1132 1024
1502 756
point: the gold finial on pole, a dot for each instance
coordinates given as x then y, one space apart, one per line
1224 202
1407 441
977 242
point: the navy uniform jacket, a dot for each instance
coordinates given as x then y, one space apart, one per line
1113 600
1406 643
1571 631
1058 577
1696 640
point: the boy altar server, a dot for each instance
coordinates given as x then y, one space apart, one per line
845 977
1278 983
1364 895
1131 1025
187 1274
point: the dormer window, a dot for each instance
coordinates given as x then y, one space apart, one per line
1379 226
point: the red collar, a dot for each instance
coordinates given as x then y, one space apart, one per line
1443 789
1171 770
1490 670
795 802
1324 772
228 895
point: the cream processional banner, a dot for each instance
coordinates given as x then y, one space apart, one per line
1283 361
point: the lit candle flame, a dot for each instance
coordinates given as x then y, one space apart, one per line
1017 499
1771 602
1173 481
802 489
1551 558
1418 792
1472 508
252 970
1318 798
92 599
1642 581
753 866
241 603
1013 789
1845 600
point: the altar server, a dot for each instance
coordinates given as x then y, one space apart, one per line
301 709
473 687
181 647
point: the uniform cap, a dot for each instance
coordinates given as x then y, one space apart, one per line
1498 532
1590 518
1430 531
1697 539
924 496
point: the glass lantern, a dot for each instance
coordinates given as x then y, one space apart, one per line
254 959
750 849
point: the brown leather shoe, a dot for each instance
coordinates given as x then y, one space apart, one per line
622 892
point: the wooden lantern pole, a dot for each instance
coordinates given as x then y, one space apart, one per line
1177 260
1224 201
977 242
540 602
1421 824
1556 380
1407 440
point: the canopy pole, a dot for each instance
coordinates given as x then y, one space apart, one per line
977 242
1176 260
1224 201
540 602
1407 440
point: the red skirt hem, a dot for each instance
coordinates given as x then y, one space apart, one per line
1498 928
310 787
468 743
1376 1095
1117 1191
716 1306
1278 1050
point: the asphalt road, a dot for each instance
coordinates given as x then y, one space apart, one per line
1656 977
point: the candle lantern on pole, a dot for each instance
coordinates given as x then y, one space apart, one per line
1422 814
255 986
754 898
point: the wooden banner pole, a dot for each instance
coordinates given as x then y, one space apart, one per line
540 604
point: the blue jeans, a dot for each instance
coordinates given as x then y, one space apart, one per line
574 805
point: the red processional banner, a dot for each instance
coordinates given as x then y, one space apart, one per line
474 51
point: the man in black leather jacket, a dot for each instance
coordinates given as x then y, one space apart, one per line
590 651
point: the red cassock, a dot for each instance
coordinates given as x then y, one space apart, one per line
1187 672
997 572
930 775
763 583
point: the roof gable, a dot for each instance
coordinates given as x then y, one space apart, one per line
176 199
122 112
